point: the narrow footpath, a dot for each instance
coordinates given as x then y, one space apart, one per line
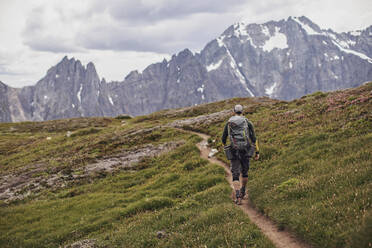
281 239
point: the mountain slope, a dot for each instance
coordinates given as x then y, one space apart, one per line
315 173
4 104
283 59
292 58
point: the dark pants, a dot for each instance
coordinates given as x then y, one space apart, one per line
240 164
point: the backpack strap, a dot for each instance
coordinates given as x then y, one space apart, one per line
246 130
232 139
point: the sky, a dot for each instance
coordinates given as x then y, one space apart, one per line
119 36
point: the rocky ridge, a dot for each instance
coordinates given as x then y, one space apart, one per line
283 59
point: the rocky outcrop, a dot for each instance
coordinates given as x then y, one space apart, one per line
4 104
68 90
202 119
21 184
283 59
86 243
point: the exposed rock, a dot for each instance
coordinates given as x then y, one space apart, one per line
4 104
202 119
17 186
127 159
86 243
161 234
212 152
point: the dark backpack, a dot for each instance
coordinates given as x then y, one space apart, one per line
238 132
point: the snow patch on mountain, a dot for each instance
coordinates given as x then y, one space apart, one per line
79 93
356 33
265 30
220 41
306 27
240 31
110 99
278 40
361 55
270 90
201 90
214 66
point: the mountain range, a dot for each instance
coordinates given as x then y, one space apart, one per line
283 59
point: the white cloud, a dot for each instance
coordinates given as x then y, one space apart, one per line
123 35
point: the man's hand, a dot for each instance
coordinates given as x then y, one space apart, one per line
257 156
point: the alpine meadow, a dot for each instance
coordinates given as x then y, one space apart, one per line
141 182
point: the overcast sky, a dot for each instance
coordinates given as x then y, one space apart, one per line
119 36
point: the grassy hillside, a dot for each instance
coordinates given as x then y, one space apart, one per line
314 177
315 174
178 193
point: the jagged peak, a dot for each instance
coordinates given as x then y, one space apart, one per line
304 19
307 21
91 67
66 60
3 85
132 74
185 53
239 24
306 24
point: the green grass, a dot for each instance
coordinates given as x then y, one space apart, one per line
314 176
29 146
178 192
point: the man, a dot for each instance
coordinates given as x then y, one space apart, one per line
239 129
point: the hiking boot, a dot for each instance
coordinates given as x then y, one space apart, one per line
238 200
242 193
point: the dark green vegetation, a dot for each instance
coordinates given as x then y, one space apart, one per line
314 177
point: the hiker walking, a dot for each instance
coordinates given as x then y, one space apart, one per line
243 145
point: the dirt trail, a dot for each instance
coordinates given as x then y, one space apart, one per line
281 239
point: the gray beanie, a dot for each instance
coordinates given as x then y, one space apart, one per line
238 108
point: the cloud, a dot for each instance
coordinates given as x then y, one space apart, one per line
52 44
4 70
50 27
150 11
163 26
166 36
